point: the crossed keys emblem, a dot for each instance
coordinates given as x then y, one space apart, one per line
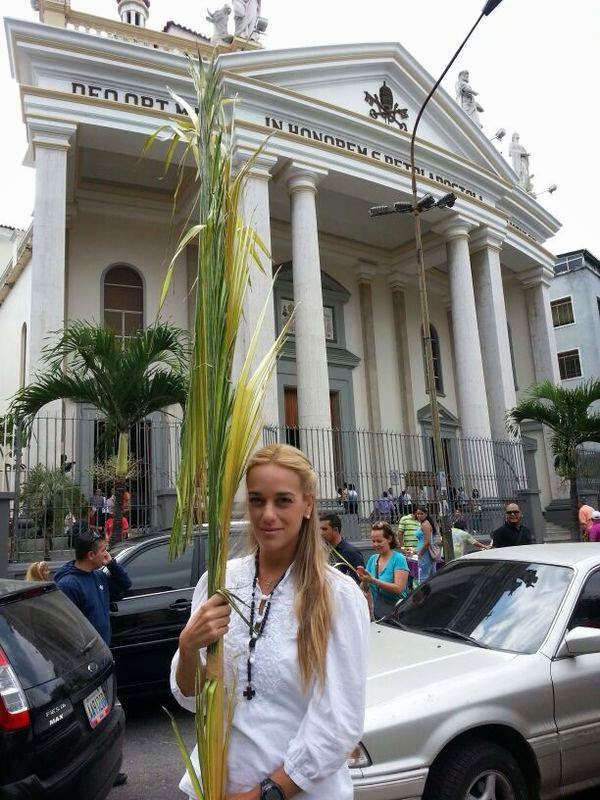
383 105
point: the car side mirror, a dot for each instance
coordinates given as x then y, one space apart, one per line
581 641
113 607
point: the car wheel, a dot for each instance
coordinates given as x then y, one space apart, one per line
476 771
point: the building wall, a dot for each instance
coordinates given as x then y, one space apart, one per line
14 312
583 286
98 241
516 312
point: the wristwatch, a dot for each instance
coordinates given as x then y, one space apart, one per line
269 790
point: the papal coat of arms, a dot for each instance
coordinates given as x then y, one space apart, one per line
383 106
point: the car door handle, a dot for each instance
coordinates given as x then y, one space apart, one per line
181 605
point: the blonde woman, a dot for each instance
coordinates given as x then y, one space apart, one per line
38 571
299 705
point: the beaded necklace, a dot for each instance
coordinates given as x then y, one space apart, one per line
256 628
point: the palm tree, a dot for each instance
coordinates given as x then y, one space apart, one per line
125 381
568 414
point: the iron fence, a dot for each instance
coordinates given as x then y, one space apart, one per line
61 472
64 470
355 468
588 475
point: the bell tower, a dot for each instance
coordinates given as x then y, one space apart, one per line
134 12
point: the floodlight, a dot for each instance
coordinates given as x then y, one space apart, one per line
447 201
426 203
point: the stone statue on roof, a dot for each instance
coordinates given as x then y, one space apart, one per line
520 161
465 97
219 19
246 14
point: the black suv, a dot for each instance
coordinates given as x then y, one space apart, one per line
147 622
61 728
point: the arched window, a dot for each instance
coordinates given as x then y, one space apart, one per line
23 359
437 361
123 301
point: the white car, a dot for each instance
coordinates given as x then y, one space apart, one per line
485 683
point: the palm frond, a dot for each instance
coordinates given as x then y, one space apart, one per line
55 385
221 421
567 413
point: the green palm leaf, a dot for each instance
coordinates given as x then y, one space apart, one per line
569 415
221 421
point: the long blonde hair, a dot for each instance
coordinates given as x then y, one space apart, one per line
35 571
313 596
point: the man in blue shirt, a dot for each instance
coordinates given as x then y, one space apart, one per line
86 584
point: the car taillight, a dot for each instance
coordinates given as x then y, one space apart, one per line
14 711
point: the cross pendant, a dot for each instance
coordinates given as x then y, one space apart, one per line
249 693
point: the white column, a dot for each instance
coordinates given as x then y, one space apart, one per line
364 277
493 329
50 144
398 289
543 346
543 342
472 400
311 351
256 212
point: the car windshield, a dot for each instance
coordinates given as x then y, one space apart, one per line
504 605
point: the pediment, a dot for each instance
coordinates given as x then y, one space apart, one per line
351 78
446 417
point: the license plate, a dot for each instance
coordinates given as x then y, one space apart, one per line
96 706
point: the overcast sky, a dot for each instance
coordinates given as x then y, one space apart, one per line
533 62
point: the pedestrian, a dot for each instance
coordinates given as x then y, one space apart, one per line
407 533
97 503
331 531
85 583
383 507
513 532
461 499
352 499
594 527
386 573
427 550
345 498
38 571
584 515
108 530
421 496
294 680
461 537
405 503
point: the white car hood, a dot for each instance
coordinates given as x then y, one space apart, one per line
400 662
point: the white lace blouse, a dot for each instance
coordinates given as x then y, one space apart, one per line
310 733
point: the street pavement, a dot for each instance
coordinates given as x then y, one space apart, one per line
152 760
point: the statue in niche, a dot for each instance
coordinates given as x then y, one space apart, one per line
465 97
219 20
520 161
246 14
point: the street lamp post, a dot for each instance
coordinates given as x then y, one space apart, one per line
416 208
435 415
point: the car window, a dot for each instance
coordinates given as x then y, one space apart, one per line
151 571
44 636
587 610
505 605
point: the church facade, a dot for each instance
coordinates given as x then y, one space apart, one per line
338 120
